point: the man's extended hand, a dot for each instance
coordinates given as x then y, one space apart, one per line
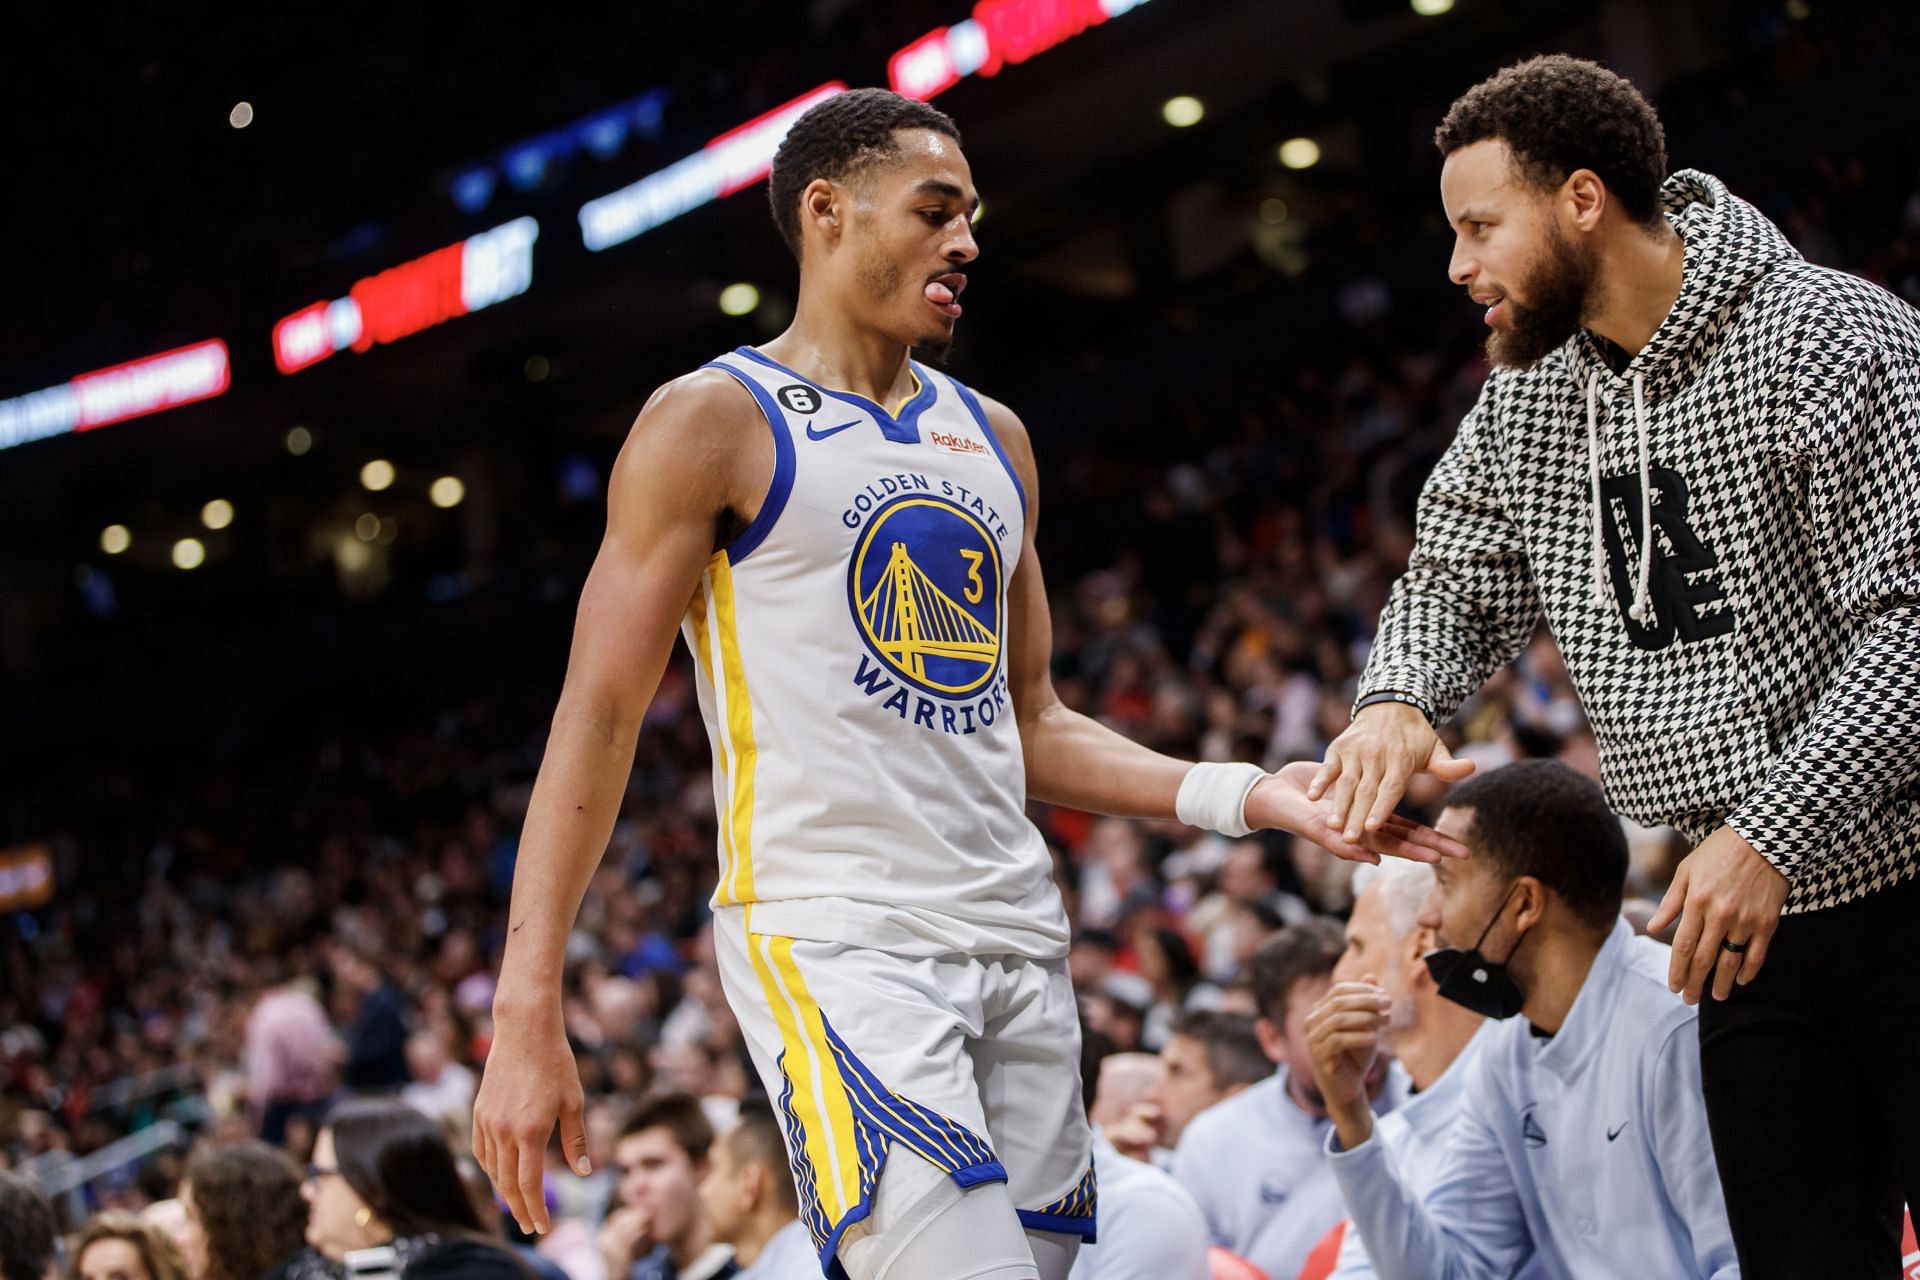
1368 766
1343 1035
531 1081
1723 890
1281 802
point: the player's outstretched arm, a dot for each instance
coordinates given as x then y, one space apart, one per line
664 498
1075 760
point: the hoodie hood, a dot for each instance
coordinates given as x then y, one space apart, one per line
1728 245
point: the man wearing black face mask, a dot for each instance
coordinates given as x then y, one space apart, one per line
1581 1142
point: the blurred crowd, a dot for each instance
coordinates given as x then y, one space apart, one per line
227 962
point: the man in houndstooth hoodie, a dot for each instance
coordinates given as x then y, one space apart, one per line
1698 459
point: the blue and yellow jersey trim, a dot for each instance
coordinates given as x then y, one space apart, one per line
840 1120
1071 1214
716 648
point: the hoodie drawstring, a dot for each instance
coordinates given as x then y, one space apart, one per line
1599 511
1642 607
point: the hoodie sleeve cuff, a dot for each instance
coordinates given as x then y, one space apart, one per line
1775 833
1401 682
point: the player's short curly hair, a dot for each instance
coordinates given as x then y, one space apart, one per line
839 138
1559 114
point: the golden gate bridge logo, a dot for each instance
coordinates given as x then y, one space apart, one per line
932 610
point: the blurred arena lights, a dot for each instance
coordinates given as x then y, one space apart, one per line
26 878
1000 33
537 368
736 159
1299 153
447 491
115 538
241 116
1182 111
739 299
1432 8
603 134
1273 211
189 553
401 301
115 394
367 527
377 475
352 556
217 514
299 440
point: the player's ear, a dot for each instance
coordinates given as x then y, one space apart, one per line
820 205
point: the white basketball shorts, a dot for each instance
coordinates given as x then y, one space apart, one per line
973 1062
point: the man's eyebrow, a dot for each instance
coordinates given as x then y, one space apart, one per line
1474 215
946 190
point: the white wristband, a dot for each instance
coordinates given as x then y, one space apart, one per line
1214 796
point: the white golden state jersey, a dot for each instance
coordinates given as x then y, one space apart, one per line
851 647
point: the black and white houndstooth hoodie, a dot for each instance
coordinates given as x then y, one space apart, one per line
1725 541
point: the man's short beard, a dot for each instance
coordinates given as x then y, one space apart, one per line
882 279
880 276
1560 285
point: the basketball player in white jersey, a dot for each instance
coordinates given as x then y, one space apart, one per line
845 538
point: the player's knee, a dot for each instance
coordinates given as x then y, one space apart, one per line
924 1227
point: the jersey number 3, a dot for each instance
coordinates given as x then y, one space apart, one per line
976 589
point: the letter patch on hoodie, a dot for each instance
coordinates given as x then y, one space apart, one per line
1683 584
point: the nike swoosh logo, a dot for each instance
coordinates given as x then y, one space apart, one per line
1614 1133
830 431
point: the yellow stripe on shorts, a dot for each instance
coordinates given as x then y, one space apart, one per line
819 1093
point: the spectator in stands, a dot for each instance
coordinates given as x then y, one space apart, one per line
567 1252
749 1198
244 1215
1209 1057
26 1230
1119 1108
657 1229
1581 1136
1435 1039
1255 1162
1249 878
441 1089
377 1038
1174 981
383 1175
1150 1228
118 1246
291 1057
169 1218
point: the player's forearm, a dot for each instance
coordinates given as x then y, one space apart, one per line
570 817
1076 761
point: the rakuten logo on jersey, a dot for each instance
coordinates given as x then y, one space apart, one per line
956 444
